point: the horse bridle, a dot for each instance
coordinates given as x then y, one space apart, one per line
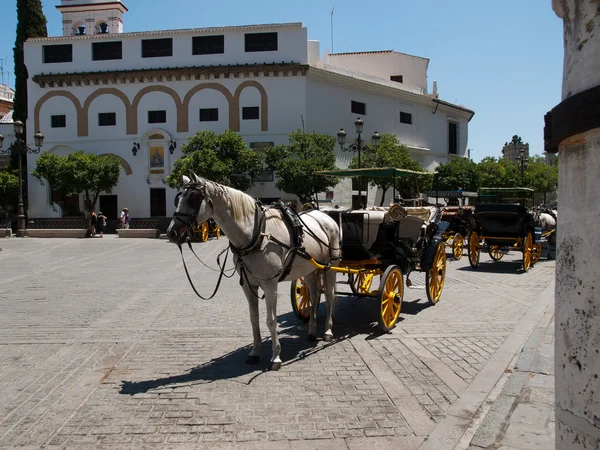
189 219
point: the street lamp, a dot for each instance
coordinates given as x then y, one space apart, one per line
524 162
21 148
358 144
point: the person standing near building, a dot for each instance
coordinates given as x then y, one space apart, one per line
101 224
125 219
93 223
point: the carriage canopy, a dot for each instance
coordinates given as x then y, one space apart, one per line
383 172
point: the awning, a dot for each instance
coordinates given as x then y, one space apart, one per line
452 194
388 172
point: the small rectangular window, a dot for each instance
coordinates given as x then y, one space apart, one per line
57 53
397 78
250 113
358 108
208 45
453 138
107 119
261 42
157 116
156 48
103 51
406 118
209 115
59 121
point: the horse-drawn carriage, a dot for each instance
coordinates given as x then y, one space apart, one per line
204 230
500 227
385 242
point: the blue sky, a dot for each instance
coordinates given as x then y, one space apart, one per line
502 59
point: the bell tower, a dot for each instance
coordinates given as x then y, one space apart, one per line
88 17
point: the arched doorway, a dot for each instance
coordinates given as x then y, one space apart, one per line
156 144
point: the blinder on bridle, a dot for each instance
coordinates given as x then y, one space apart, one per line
188 219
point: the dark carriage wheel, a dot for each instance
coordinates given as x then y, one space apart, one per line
300 299
361 283
435 277
457 246
474 249
391 293
528 250
495 253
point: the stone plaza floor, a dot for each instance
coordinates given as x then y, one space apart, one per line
103 344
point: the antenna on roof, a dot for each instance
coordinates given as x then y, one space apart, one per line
332 10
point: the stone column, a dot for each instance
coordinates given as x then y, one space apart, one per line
577 350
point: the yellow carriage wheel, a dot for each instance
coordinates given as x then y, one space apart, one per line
474 249
391 292
537 253
300 299
495 253
204 232
528 250
435 277
361 283
217 231
457 246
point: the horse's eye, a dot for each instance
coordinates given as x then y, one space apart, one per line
177 197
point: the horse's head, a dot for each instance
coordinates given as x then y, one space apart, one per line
193 206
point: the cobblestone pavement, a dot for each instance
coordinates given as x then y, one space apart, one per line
103 344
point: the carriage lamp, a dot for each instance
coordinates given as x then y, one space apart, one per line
19 147
136 147
397 212
172 146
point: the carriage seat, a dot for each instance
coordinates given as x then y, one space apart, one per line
415 224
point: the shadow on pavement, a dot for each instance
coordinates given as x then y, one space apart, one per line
514 267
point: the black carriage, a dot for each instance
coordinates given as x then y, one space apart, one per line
389 242
500 227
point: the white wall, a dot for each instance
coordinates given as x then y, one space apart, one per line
385 64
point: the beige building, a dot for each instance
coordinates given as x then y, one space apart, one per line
512 151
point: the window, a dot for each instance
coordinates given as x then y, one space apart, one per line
156 48
250 113
103 51
261 42
453 138
58 53
406 118
266 174
208 45
58 121
358 108
107 119
209 115
157 117
397 78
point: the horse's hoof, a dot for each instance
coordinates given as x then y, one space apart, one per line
311 338
275 365
253 359
328 338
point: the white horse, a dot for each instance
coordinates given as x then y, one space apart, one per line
547 222
264 247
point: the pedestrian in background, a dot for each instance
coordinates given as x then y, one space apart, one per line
93 222
101 224
125 219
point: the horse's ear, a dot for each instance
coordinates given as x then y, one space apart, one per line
196 178
186 180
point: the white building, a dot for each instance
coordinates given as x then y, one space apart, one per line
105 90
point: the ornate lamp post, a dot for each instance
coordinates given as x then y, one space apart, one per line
20 148
524 162
358 144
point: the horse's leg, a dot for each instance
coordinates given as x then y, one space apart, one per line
252 296
329 278
271 302
314 289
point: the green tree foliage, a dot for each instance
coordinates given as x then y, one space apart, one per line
458 173
9 192
78 173
516 140
31 23
295 164
540 176
391 153
498 173
223 158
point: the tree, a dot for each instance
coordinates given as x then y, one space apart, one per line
458 173
31 23
295 164
78 173
9 191
391 153
223 158
540 176
498 173
516 140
